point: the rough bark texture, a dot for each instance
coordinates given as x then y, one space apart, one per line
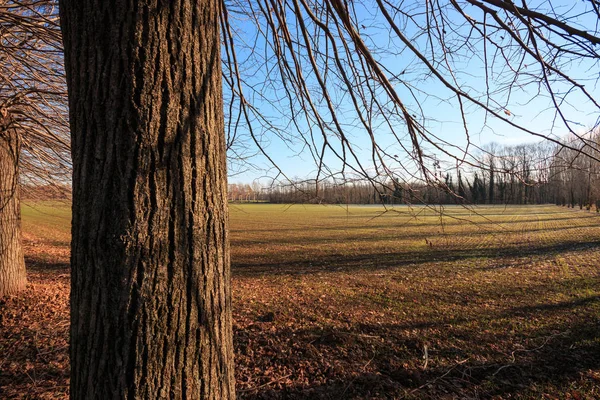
12 264
150 299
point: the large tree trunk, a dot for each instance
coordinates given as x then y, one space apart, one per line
12 264
150 293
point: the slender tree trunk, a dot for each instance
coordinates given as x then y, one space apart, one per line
150 292
12 263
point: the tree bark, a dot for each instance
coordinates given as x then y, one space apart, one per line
150 292
12 264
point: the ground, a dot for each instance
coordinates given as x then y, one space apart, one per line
350 302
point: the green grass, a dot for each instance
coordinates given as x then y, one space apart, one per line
505 299
47 221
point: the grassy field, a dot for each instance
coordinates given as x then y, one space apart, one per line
354 302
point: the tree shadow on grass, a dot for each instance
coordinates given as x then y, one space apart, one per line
44 265
292 264
387 233
318 234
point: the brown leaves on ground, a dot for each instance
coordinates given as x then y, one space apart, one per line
34 326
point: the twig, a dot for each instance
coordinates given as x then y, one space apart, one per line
363 369
431 382
265 384
512 354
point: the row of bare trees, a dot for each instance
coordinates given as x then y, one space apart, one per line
565 174
575 177
240 192
536 173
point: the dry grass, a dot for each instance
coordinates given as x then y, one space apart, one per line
339 303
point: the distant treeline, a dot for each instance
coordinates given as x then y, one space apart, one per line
45 191
525 174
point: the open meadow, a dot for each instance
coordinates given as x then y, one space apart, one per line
334 302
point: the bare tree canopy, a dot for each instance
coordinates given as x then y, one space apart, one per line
380 88
33 89
357 87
